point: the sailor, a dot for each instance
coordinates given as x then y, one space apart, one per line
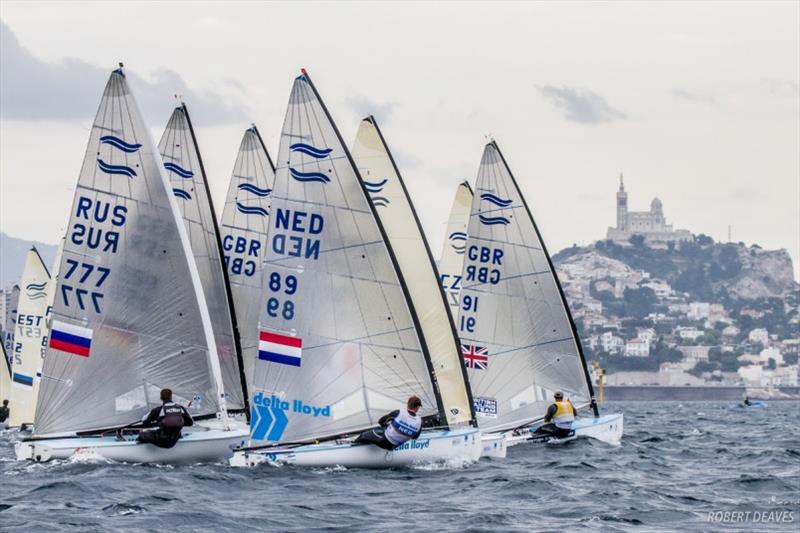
170 419
397 427
4 412
559 417
746 400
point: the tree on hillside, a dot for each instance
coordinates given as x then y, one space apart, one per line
639 302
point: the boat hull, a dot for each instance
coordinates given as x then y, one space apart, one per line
494 445
194 447
606 428
449 447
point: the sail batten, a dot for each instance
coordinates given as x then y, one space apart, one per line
519 340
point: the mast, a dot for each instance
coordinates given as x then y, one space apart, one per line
565 305
455 337
236 339
393 258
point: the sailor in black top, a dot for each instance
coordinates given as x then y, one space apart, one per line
170 418
4 411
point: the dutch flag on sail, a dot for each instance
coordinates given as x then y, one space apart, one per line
279 348
71 339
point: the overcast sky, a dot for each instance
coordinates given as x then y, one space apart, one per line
696 103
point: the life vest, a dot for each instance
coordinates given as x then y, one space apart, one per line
403 427
171 417
564 417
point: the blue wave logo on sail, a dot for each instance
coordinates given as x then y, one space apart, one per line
251 210
179 170
36 291
268 418
493 221
249 187
180 193
375 187
458 240
303 148
115 169
118 143
496 200
309 176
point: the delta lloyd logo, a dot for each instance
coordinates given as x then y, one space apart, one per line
413 445
269 415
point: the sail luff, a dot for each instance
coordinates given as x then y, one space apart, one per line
398 216
565 304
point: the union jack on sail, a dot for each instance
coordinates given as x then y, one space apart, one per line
475 357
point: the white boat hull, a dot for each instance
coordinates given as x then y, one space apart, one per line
194 446
456 447
494 445
607 428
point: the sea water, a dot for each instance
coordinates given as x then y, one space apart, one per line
681 466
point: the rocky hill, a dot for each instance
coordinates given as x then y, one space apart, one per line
706 270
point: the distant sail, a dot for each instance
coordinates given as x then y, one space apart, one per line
130 316
338 346
30 331
517 335
11 322
396 212
455 243
181 156
245 222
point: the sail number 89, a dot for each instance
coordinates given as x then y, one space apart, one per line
287 285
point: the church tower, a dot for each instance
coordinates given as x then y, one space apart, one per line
622 205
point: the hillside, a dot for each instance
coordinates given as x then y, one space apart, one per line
705 270
12 257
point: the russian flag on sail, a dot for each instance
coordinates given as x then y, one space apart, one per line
279 348
71 339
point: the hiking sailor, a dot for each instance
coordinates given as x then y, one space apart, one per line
170 419
397 427
559 417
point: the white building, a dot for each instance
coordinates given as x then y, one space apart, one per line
759 335
730 331
637 348
698 310
646 334
690 333
611 343
771 353
751 374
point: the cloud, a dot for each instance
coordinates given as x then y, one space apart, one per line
581 105
69 90
683 94
363 106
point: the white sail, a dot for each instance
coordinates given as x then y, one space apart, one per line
451 262
518 338
396 212
181 156
245 221
30 336
10 325
130 316
338 346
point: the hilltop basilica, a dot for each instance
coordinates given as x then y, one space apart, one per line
650 224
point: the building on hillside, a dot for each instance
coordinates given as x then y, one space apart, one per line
689 333
611 343
698 310
637 348
694 353
652 225
771 353
759 335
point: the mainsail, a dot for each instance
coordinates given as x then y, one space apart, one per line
388 193
518 338
451 262
245 222
31 331
338 344
130 316
181 156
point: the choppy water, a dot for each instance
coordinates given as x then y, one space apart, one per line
677 464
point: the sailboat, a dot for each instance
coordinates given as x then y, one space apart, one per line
518 338
181 156
245 222
10 324
130 315
31 330
339 340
